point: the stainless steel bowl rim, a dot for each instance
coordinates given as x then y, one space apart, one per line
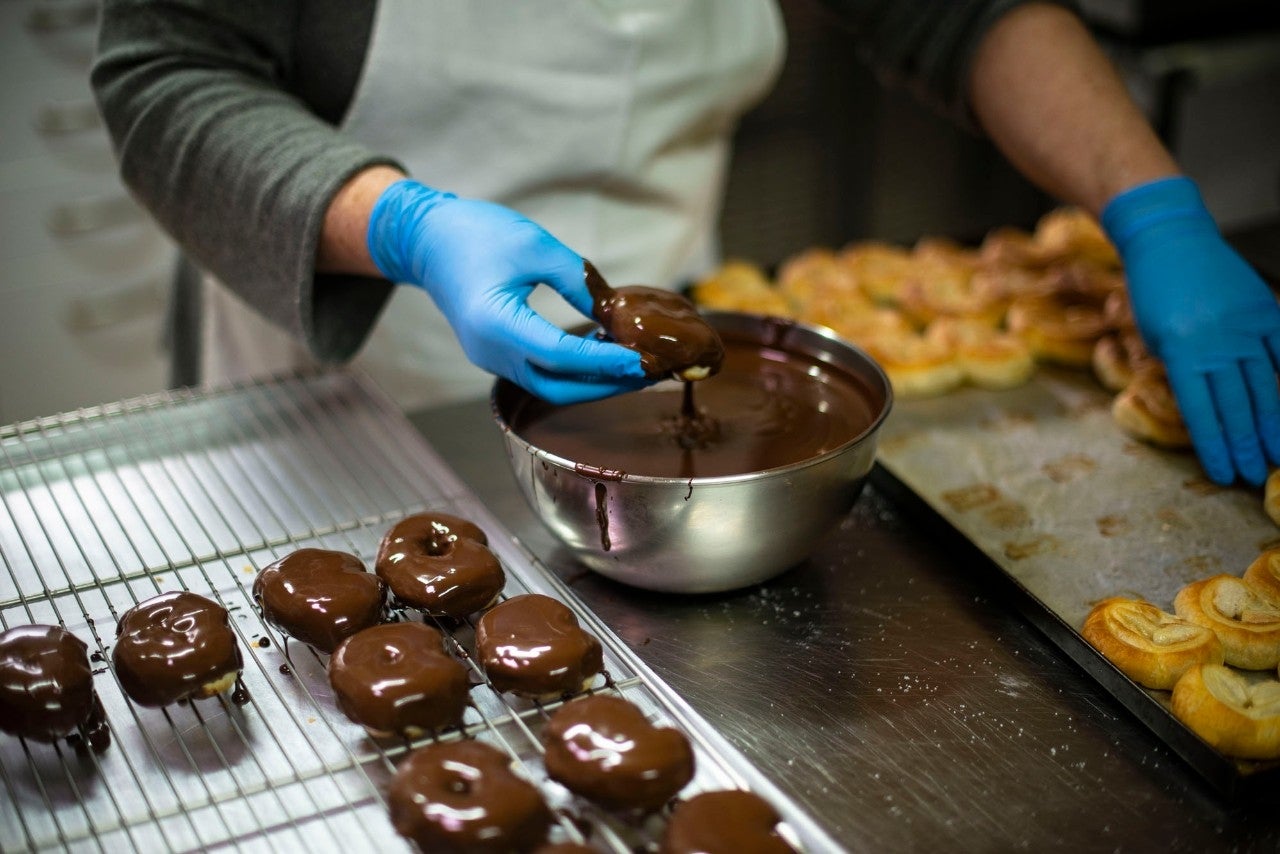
780 471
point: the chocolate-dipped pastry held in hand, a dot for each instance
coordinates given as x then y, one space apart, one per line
174 646
46 687
662 326
320 597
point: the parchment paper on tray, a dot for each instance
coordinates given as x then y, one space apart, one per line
1042 480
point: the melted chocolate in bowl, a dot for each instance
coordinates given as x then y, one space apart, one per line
766 408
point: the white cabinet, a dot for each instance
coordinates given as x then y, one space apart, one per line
83 270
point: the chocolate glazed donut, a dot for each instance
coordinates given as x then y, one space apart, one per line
727 822
662 326
396 678
46 687
462 797
531 645
320 597
440 564
174 646
603 748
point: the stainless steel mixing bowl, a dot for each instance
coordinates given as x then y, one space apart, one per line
706 534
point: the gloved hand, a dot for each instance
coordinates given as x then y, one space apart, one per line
479 262
1209 317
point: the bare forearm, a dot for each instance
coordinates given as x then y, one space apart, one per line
342 247
1052 102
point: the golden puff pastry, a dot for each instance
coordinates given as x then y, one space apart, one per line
988 357
1264 574
1245 620
1235 714
1150 646
1271 496
1147 410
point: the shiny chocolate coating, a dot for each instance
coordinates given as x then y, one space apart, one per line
770 409
320 597
662 326
462 798
46 686
173 646
564 848
603 748
532 645
397 678
727 822
439 564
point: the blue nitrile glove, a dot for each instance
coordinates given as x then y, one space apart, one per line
479 262
1209 317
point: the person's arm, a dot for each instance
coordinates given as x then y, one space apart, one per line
238 169
1051 101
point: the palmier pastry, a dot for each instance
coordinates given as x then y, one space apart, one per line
741 286
819 274
1062 328
320 597
396 679
988 357
1147 410
532 646
861 326
1009 247
1151 647
46 687
1246 621
1271 496
724 822
1116 357
440 564
1263 574
662 326
1235 714
916 366
603 748
1072 234
463 798
881 268
175 646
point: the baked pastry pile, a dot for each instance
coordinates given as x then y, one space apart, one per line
938 314
1219 654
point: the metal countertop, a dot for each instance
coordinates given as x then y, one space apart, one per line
891 685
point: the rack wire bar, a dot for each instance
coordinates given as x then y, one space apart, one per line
198 490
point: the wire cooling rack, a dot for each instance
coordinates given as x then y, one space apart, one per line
105 507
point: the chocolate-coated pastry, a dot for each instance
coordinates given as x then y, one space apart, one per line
174 646
396 679
462 797
662 326
440 564
46 687
319 596
564 848
531 645
603 748
727 822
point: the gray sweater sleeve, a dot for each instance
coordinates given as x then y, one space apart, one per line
926 46
214 141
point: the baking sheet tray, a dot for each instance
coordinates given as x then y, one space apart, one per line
104 507
1044 484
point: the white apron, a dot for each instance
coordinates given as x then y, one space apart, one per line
605 121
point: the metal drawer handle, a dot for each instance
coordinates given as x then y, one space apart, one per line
93 214
85 314
49 16
56 117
